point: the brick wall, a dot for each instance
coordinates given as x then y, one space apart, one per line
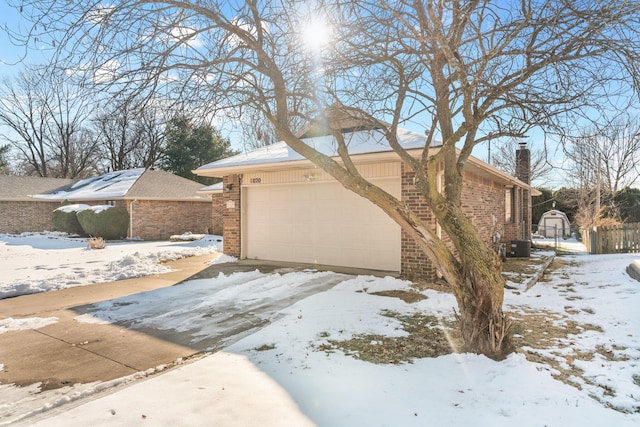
514 229
413 262
482 201
217 213
17 217
232 215
158 220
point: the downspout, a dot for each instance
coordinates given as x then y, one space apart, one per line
131 218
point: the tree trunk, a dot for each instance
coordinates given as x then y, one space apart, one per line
479 290
473 271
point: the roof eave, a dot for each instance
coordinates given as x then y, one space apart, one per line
165 199
26 199
300 164
125 198
504 176
357 159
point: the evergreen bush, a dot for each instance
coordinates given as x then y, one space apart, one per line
108 222
65 219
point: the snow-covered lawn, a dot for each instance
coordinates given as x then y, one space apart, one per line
39 262
578 363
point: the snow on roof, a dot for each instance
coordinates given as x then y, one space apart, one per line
358 142
214 188
108 186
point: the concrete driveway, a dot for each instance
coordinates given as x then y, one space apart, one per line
108 331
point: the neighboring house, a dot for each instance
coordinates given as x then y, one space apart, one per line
279 206
159 203
19 212
215 192
554 223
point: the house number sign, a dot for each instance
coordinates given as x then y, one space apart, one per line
255 180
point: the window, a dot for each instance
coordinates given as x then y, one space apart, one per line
508 205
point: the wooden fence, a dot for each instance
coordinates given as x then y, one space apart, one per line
612 239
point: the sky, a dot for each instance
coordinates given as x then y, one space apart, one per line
10 57
294 372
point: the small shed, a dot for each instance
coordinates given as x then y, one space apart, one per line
554 223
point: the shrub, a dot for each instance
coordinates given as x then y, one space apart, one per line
107 222
65 219
96 243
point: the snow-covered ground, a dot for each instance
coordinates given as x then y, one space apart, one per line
295 372
39 262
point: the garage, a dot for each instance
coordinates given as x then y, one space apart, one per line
315 220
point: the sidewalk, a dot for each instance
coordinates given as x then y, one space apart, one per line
231 392
68 351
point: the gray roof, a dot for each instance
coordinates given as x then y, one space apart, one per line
21 188
158 184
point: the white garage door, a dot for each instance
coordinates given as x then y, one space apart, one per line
321 223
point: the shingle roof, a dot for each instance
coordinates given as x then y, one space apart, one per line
130 184
158 184
21 188
358 142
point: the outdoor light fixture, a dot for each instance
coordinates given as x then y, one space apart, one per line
228 188
309 177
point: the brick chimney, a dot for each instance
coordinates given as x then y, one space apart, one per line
523 163
523 173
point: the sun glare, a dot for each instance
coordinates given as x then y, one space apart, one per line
316 34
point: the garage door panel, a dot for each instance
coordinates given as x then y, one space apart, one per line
321 223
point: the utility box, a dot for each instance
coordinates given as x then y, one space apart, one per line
520 248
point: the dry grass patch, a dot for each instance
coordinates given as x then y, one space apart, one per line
265 347
427 336
406 296
538 333
610 355
440 286
542 330
519 270
557 264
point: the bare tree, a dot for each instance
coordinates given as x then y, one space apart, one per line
4 161
24 116
129 135
44 114
469 71
602 160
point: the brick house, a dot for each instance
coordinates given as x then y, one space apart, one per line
159 203
19 212
278 206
